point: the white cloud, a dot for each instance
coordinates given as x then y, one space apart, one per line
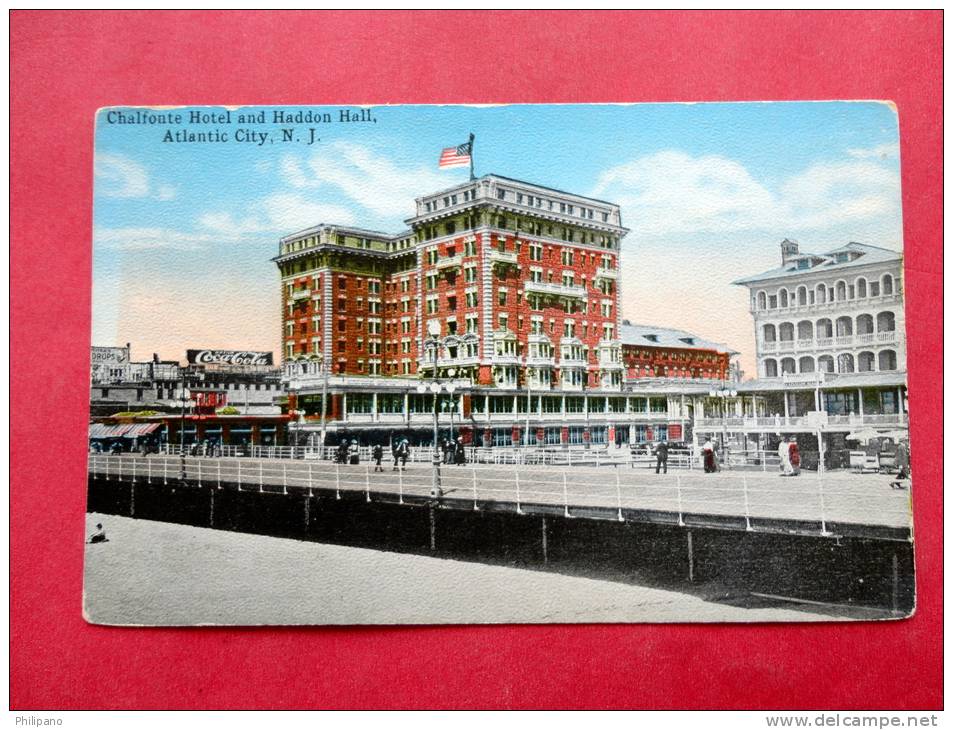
120 176
140 239
293 173
290 212
671 192
374 181
883 151
166 192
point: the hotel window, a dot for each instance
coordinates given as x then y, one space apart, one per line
452 303
405 327
289 329
608 331
472 299
431 256
501 297
567 257
405 305
472 323
374 307
469 248
374 287
360 344
405 346
342 305
606 309
405 285
569 328
432 305
431 281
504 320
470 274
568 280
536 275
501 194
535 252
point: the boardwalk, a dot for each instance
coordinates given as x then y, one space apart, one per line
753 500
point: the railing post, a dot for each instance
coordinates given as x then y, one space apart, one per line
744 485
165 470
337 481
200 472
618 494
519 510
284 478
133 468
108 478
219 467
473 472
400 486
820 489
367 481
239 463
310 477
261 476
566 496
678 496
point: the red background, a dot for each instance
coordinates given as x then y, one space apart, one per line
66 65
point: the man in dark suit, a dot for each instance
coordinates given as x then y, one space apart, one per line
661 456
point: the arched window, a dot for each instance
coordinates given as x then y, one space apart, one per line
887 284
887 360
802 296
806 364
805 330
825 330
865 362
886 322
783 298
770 368
786 332
845 363
788 366
865 324
762 300
820 294
770 333
825 364
845 327
841 290
861 288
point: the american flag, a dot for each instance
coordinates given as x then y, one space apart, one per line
458 156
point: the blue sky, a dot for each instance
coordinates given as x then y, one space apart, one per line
183 232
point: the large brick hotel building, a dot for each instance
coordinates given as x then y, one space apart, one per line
524 281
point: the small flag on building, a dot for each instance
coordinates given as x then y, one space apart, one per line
456 156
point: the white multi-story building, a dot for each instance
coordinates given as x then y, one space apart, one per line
838 312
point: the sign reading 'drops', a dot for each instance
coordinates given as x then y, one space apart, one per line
110 355
228 357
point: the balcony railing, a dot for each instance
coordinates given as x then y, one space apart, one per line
898 420
858 303
502 257
555 290
300 294
602 273
450 262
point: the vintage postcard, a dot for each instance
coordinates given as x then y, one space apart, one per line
516 363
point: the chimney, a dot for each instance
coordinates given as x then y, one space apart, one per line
789 249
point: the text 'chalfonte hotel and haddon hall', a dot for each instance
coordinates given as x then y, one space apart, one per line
518 286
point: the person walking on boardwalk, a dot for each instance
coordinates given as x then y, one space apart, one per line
378 455
460 454
708 457
794 457
342 452
661 457
99 535
784 457
401 451
903 464
354 453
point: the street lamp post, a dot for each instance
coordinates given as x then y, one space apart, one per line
723 394
183 402
433 343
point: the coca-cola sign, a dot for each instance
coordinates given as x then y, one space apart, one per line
228 357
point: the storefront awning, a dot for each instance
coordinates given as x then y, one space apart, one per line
126 430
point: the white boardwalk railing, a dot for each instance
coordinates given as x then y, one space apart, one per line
748 496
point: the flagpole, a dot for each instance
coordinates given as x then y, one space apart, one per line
472 137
